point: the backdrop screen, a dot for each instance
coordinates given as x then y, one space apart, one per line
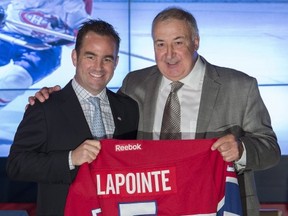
251 36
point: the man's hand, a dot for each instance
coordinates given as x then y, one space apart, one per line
43 94
86 152
229 147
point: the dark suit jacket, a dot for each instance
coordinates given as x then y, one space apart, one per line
230 103
48 132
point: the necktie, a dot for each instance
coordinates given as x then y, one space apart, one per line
97 127
172 115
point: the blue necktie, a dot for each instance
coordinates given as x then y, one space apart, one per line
97 127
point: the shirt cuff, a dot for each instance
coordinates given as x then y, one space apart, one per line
71 166
241 163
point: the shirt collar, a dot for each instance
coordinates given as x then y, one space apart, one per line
83 94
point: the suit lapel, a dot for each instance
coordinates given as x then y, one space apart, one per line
209 95
71 108
118 114
150 99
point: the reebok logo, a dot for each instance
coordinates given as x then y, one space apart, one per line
128 147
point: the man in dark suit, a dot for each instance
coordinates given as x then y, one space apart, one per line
216 102
54 138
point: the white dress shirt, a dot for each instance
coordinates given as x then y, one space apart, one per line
189 97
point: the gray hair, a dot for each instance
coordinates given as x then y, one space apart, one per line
179 14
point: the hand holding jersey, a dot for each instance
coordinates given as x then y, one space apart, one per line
230 149
85 152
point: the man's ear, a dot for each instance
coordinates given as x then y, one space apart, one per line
196 42
74 57
116 62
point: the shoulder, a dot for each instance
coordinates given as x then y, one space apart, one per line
64 94
139 80
221 73
57 98
233 74
144 72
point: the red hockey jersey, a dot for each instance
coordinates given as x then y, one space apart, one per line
145 177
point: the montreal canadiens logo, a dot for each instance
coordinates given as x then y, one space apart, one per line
128 147
35 18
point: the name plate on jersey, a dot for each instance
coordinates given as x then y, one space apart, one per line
140 182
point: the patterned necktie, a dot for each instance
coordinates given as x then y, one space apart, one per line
97 127
172 115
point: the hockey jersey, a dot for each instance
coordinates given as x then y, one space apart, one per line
160 177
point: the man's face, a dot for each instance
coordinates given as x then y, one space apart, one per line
174 49
96 62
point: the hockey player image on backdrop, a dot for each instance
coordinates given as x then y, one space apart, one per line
32 34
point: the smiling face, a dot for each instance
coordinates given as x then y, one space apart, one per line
95 63
175 48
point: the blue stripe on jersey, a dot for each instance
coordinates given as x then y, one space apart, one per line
232 202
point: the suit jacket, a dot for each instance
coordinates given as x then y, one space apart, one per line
48 132
230 103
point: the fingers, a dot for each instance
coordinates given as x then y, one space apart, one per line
31 101
221 141
230 154
54 88
228 148
86 152
42 94
91 149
